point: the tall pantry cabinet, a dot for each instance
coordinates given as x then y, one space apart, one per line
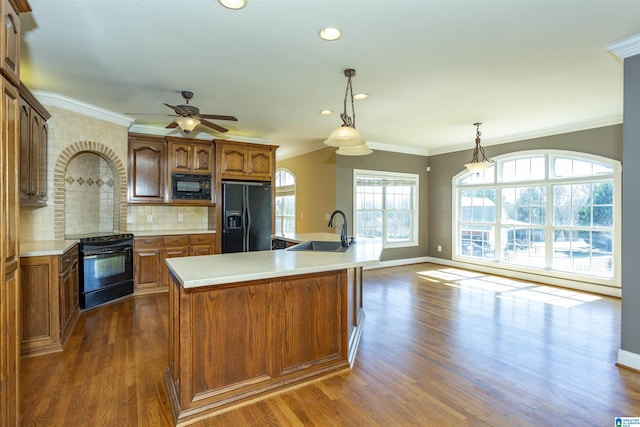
10 214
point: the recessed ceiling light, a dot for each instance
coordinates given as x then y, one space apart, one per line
360 96
233 4
326 112
330 34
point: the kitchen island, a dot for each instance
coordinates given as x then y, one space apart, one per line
243 326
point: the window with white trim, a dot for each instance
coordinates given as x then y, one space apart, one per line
386 207
285 212
552 210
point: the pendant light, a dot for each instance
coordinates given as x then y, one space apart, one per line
478 164
346 136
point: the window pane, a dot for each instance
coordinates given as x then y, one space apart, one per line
522 245
583 251
399 226
285 200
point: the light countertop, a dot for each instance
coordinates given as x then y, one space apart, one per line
305 237
206 270
45 247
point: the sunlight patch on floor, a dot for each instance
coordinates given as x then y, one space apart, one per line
506 288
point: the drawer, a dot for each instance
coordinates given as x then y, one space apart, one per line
201 239
176 240
148 242
69 258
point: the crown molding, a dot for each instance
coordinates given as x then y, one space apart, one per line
205 136
61 101
626 47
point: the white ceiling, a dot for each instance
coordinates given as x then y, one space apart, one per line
431 68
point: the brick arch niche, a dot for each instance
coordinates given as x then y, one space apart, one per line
60 178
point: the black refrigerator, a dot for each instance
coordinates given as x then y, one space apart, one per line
246 211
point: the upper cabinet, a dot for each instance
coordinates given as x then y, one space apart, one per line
10 49
245 161
147 170
188 156
34 135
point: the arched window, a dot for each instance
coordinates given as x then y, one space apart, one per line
555 211
285 215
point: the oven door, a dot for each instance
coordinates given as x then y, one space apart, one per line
103 269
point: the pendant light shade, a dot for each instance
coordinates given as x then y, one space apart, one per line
346 137
479 161
358 150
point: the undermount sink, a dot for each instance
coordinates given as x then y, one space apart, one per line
320 246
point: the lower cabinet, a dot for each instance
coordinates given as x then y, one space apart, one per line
49 301
151 273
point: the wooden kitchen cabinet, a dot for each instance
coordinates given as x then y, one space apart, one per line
34 139
238 160
151 273
147 170
68 283
49 301
148 257
189 156
10 47
174 246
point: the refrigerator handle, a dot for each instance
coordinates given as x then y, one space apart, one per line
248 216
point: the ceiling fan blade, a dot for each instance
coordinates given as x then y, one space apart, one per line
178 110
217 117
171 125
213 126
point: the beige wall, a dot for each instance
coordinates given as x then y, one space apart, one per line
315 174
66 128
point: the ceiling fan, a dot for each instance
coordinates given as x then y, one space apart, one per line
188 116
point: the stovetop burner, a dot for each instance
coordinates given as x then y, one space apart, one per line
107 238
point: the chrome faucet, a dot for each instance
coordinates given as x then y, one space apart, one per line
343 234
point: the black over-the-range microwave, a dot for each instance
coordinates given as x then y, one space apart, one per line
186 186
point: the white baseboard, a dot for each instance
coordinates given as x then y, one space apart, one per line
628 359
397 262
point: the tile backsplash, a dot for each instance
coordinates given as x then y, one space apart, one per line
158 218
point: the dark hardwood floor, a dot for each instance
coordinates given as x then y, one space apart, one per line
441 347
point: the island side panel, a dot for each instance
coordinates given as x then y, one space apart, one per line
314 321
230 335
234 342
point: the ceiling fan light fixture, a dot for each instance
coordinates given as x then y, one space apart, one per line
233 4
187 124
479 161
358 150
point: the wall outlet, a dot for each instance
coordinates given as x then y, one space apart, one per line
327 217
439 248
149 218
180 217
131 219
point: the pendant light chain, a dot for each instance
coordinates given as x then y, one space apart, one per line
346 120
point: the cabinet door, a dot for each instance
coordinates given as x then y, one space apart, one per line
260 165
172 252
203 158
25 150
233 162
147 176
180 157
10 49
147 268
